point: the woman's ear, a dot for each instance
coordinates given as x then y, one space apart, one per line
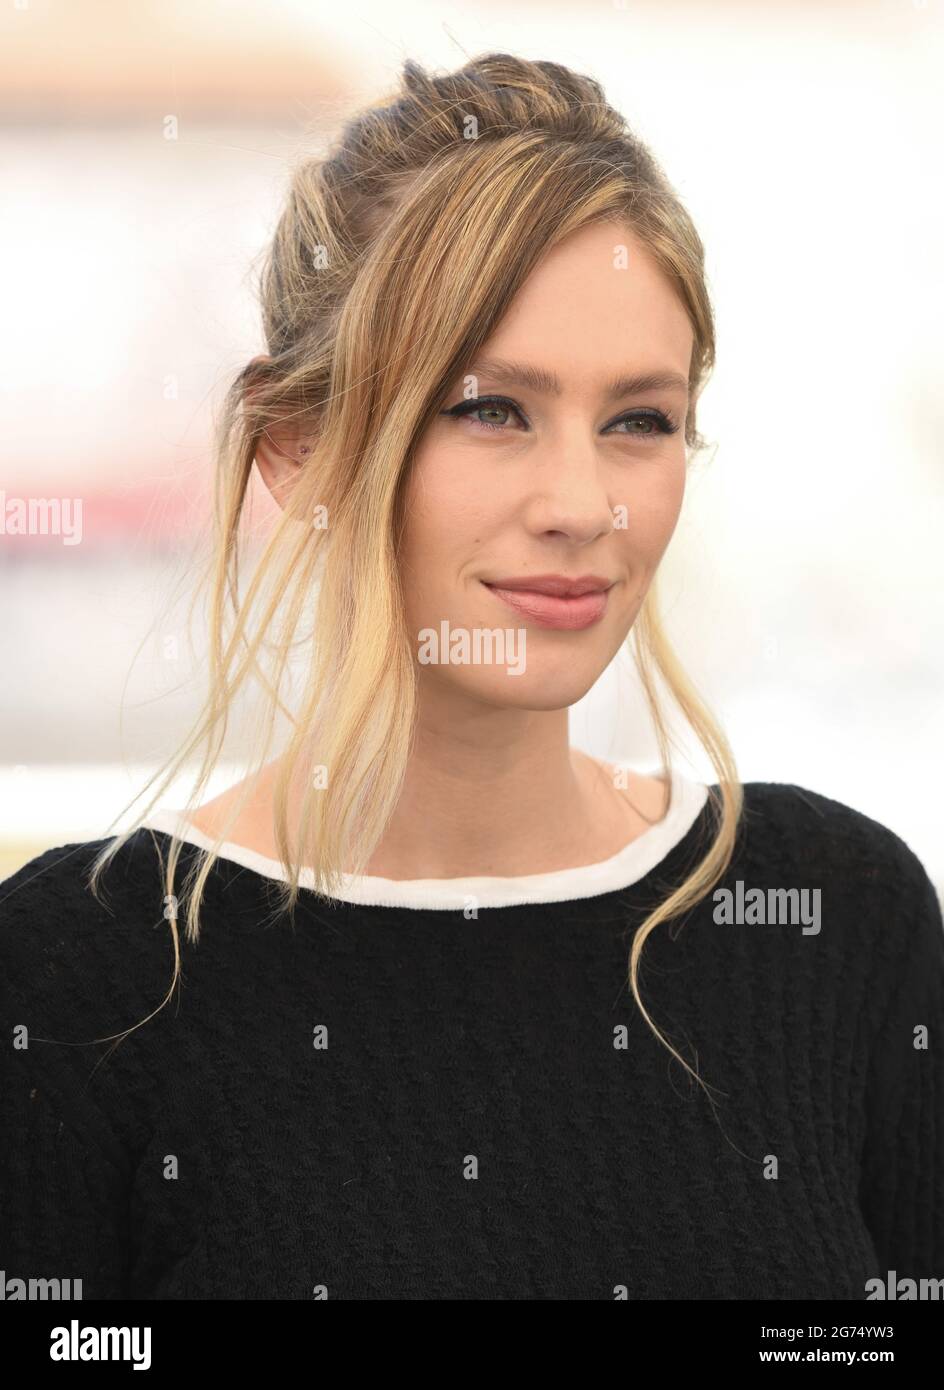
280 455
281 452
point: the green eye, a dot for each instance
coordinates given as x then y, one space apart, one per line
661 424
654 422
477 404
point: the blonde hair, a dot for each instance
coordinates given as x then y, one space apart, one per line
394 259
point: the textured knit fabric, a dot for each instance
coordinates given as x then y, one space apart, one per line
384 1102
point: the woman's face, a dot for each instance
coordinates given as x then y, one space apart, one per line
544 465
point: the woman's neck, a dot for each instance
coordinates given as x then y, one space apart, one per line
524 818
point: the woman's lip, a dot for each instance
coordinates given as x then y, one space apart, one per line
548 611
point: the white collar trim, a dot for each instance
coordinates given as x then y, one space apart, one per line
627 866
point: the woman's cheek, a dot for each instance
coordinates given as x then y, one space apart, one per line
656 513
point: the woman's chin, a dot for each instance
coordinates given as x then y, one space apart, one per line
538 687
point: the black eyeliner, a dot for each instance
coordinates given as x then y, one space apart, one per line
466 407
666 425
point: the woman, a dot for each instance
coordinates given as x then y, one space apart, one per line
461 1012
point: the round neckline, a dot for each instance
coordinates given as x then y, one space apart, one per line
629 865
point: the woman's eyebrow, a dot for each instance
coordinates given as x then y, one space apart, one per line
547 383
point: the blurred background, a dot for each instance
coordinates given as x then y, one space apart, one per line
145 152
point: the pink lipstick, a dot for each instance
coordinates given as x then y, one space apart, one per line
553 600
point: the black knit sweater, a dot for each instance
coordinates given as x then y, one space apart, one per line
394 1102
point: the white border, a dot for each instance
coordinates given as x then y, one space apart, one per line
627 866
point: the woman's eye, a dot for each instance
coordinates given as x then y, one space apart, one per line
654 422
490 413
499 414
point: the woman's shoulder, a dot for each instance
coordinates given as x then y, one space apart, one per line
79 972
56 881
875 890
815 829
60 941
